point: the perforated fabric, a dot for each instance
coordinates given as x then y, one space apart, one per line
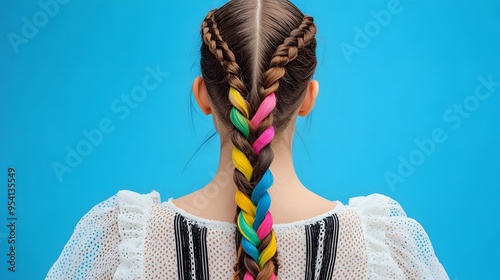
133 236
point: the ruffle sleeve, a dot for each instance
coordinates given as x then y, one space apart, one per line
397 246
108 242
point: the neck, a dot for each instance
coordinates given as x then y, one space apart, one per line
291 201
282 168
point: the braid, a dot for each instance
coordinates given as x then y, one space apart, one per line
214 41
262 122
252 154
286 52
243 154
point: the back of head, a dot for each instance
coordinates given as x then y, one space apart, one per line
257 59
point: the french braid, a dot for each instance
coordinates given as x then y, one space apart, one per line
252 154
262 122
243 153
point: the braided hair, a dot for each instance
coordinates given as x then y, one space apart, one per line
256 61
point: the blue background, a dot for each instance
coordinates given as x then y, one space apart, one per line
404 81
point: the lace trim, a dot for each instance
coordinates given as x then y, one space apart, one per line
134 212
227 226
375 211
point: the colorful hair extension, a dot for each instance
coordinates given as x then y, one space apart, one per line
253 124
255 222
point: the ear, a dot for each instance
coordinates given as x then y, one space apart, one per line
310 98
201 95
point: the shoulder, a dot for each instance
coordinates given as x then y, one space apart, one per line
108 240
125 199
134 209
397 247
121 206
136 202
124 206
374 202
379 214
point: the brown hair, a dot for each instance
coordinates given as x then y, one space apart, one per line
257 47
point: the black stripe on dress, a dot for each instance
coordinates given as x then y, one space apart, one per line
237 240
321 238
191 247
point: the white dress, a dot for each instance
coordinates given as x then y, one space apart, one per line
136 236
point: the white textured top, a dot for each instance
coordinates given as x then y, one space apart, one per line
135 236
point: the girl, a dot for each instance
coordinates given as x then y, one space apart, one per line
257 61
